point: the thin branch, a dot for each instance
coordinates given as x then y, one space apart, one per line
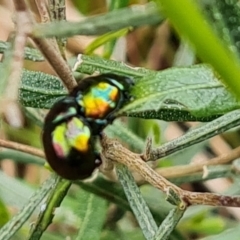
180 171
114 151
57 62
23 28
22 148
57 11
53 51
43 11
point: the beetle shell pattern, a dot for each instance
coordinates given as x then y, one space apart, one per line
72 123
68 143
100 97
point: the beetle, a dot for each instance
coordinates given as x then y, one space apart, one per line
73 122
68 142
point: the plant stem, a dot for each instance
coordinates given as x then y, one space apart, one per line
22 148
179 171
57 62
114 151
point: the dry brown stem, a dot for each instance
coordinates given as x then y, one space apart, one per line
179 171
22 148
114 151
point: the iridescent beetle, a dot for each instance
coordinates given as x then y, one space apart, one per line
99 98
68 141
73 122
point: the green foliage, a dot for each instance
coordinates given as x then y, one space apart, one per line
39 90
177 94
100 208
193 90
92 211
207 45
4 214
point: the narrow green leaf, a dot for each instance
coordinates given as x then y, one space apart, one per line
21 157
199 134
133 16
92 212
169 224
225 21
13 192
90 64
9 229
29 53
176 94
136 201
40 90
194 90
104 39
219 171
53 201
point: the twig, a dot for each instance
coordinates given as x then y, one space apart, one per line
22 148
57 10
57 62
46 16
23 28
179 171
114 151
43 11
53 52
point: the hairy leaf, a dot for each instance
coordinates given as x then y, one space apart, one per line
40 90
177 94
92 212
194 91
